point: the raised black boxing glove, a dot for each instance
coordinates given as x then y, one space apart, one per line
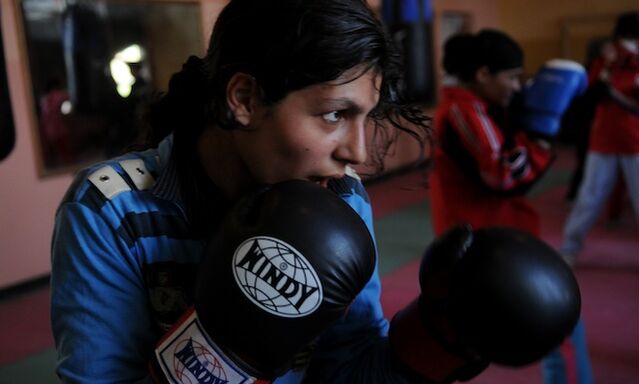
494 295
286 263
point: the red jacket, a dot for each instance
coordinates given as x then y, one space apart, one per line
615 130
480 176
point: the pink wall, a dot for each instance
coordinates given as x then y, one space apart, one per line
27 202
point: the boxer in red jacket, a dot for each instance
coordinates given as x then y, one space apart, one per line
482 169
487 159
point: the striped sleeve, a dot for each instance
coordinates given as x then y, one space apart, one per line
500 167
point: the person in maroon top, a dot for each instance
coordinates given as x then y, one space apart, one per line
485 161
614 136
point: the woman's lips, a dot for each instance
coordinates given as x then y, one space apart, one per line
323 180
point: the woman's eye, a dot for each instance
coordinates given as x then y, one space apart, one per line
332 117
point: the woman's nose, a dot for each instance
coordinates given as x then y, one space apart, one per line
517 85
352 148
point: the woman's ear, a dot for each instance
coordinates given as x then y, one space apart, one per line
241 96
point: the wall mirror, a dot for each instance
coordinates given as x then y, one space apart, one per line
93 66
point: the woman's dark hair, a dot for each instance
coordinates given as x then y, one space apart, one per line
464 54
455 50
286 45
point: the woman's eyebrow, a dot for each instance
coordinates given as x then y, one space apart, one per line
342 103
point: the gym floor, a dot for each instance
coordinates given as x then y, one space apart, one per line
607 271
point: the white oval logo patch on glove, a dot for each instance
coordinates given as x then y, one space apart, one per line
276 277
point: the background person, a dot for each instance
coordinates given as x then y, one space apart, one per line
486 161
483 165
614 138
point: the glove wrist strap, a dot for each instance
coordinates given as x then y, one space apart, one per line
187 354
417 348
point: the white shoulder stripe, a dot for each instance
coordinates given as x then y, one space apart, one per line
109 182
487 127
470 137
138 173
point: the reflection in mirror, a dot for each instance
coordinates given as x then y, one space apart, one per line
7 134
93 66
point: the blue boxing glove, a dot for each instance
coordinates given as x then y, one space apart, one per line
549 93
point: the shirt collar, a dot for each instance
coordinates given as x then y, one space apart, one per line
167 186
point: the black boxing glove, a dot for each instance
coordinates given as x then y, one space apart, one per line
493 295
286 263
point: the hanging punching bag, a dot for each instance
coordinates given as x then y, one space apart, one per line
410 23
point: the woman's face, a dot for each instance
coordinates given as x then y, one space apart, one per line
311 134
498 88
